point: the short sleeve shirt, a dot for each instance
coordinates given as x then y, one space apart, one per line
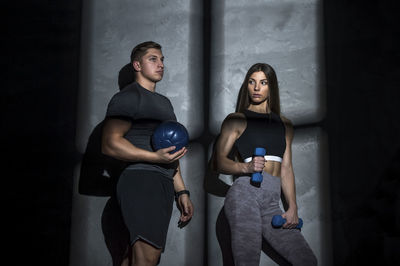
145 110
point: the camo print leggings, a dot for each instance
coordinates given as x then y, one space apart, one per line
249 211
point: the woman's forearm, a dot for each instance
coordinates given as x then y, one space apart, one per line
289 189
230 167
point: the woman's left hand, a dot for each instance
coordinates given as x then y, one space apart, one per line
186 208
292 219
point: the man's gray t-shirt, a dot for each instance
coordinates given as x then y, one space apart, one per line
145 110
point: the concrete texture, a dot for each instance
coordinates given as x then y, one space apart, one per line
110 29
284 34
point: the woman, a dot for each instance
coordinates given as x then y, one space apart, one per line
249 209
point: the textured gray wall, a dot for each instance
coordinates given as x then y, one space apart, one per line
286 35
281 33
110 29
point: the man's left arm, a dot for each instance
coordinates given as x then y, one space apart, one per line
184 202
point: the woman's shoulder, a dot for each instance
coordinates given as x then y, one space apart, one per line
235 115
288 124
285 120
234 120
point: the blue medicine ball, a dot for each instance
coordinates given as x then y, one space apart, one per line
170 133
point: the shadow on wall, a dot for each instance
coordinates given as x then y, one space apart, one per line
98 177
215 186
99 173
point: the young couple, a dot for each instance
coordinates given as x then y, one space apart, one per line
147 187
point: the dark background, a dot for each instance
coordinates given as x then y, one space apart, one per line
38 122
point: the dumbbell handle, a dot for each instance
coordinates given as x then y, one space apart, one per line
278 221
257 177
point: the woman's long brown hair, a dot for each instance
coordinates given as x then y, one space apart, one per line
243 100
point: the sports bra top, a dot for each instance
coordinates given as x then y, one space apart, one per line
264 131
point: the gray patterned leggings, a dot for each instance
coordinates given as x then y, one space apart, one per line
249 211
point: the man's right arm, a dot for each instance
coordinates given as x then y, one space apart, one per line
114 144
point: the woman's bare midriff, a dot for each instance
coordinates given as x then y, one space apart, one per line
273 168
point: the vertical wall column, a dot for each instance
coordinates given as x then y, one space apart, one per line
110 29
286 35
281 33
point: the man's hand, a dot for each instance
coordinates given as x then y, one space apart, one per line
186 208
163 155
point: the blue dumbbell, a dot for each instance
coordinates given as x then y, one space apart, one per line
278 221
257 178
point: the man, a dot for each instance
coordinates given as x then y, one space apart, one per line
146 188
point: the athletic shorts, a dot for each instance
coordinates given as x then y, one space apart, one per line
146 201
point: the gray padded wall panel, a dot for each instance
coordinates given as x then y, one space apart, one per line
185 246
110 29
87 241
284 34
310 157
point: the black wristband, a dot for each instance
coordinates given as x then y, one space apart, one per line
177 194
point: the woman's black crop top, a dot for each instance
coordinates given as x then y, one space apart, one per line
263 130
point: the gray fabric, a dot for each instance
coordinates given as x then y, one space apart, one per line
249 211
136 102
146 110
164 169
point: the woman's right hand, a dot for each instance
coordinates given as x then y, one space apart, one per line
256 165
163 155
